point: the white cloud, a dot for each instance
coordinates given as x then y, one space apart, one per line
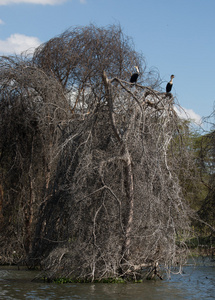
18 43
44 2
1 22
188 114
83 1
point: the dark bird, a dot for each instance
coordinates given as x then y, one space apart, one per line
169 84
135 75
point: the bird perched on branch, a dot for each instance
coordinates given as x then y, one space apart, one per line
135 75
169 84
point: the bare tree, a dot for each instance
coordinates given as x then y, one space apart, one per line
122 204
78 57
96 186
32 107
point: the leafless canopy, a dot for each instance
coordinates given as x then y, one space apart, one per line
32 105
96 183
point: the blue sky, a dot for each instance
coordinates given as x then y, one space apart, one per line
175 36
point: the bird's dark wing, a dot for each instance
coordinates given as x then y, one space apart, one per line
134 77
168 87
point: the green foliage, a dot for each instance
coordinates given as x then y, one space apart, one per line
103 280
195 173
197 176
205 241
205 161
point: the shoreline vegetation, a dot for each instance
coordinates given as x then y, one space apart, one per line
195 252
99 177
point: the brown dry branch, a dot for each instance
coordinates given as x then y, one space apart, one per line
90 186
118 202
31 108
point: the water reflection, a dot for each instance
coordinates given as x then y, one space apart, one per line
197 282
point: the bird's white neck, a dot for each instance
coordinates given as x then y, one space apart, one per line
137 69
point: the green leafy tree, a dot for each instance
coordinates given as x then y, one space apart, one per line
206 163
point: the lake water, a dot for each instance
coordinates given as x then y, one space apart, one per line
196 282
